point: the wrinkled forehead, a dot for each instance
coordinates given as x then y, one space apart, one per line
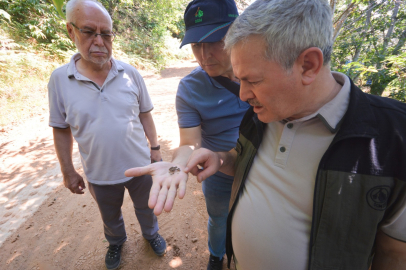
248 57
249 47
88 12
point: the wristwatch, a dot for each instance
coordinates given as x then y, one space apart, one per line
156 147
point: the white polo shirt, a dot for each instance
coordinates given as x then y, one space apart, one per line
104 120
272 221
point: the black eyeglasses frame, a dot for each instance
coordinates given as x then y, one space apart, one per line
94 34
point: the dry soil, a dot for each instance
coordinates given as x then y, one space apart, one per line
44 226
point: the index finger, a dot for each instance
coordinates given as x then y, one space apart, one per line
209 166
193 161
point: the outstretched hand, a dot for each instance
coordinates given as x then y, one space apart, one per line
168 179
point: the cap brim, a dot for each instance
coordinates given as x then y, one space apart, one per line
205 33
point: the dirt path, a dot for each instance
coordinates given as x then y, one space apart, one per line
44 226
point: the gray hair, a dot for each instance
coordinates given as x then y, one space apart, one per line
70 6
288 27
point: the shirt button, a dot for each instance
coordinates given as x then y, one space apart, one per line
282 149
290 125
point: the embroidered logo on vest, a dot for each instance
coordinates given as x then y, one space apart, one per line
377 197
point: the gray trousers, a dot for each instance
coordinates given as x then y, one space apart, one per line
109 198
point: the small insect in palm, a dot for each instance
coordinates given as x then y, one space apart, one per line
174 169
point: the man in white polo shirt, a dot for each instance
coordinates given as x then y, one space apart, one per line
105 105
319 166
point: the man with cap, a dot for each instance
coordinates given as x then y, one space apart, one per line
208 116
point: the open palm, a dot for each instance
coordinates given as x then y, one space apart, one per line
168 179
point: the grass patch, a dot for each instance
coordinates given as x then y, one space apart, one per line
23 84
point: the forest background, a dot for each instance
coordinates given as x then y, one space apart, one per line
369 46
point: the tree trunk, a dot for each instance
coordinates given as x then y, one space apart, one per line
382 78
363 34
341 20
378 87
401 42
392 25
357 53
111 7
333 5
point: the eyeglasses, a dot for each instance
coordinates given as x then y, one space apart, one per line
92 34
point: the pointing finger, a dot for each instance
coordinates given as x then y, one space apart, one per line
134 172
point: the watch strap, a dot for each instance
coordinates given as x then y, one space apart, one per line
156 147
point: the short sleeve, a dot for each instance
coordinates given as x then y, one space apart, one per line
395 224
188 115
144 98
57 114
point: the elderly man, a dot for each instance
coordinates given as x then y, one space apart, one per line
105 105
320 176
208 113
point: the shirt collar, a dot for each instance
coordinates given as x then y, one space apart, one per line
213 82
73 72
333 111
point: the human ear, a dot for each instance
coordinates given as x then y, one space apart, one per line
311 62
69 27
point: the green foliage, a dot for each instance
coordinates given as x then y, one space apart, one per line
58 5
5 15
371 46
145 28
23 78
397 70
35 24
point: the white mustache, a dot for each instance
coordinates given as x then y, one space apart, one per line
254 102
96 49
